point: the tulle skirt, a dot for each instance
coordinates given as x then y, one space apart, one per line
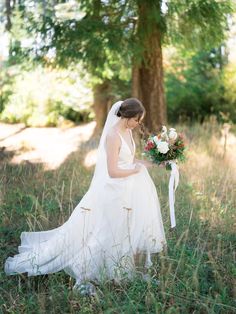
114 220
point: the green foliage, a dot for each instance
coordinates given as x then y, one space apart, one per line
229 80
195 86
76 32
110 36
6 81
101 52
45 97
197 23
70 32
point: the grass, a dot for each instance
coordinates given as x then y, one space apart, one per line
197 272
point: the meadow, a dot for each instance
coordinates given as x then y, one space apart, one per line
197 272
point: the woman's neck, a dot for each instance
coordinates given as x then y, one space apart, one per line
121 126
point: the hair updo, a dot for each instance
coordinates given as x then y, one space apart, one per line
130 108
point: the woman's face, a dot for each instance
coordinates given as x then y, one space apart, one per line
134 122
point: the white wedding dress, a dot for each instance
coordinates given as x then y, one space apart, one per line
115 219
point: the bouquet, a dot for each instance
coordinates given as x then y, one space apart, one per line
165 147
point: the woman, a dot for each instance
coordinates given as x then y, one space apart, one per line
118 217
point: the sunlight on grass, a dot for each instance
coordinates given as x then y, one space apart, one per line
90 158
212 177
197 271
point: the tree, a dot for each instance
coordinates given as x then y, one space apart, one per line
188 23
142 28
147 74
115 34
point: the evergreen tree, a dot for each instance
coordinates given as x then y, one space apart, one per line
110 36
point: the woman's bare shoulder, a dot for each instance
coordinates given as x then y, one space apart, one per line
113 135
113 140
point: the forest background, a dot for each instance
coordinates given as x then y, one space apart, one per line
178 57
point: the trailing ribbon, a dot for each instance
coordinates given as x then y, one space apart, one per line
173 183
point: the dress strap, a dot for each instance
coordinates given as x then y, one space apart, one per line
132 140
131 135
119 135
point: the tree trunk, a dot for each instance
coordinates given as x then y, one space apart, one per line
135 82
147 75
8 14
101 92
101 104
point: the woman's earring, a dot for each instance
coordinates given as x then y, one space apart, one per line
127 123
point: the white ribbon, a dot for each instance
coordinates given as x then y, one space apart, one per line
148 262
173 183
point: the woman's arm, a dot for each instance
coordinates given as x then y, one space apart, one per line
146 163
112 148
149 164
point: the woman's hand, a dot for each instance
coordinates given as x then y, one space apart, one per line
148 163
162 164
137 167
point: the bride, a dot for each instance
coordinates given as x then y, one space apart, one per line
117 218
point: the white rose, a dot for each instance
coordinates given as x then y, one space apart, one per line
172 134
163 147
164 129
164 135
156 140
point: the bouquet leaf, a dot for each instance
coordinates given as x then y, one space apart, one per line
165 147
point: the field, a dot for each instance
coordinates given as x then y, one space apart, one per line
197 273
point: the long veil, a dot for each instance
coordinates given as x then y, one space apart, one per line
101 164
49 251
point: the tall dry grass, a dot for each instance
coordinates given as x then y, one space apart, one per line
196 273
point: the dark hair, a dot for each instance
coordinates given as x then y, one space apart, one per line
130 108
